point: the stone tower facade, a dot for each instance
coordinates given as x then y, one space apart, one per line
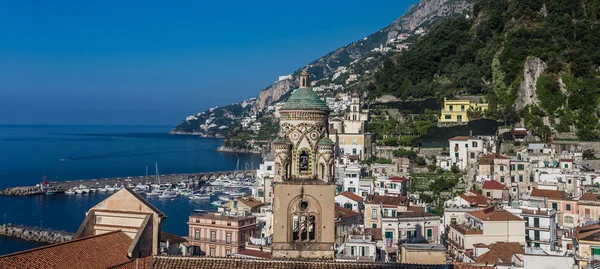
304 210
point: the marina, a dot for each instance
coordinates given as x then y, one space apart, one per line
221 179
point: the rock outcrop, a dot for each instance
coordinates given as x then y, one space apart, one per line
272 94
36 235
526 94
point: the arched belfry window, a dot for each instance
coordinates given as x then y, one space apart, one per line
303 160
303 223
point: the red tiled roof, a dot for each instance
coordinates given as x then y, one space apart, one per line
97 251
463 265
255 253
493 185
489 159
142 263
589 233
375 232
398 179
164 236
343 213
474 198
547 193
500 253
463 138
566 160
590 196
492 214
180 262
249 201
519 132
352 196
387 200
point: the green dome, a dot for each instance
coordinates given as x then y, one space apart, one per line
326 141
280 140
305 99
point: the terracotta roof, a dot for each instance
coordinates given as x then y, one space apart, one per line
97 251
566 160
142 263
519 132
474 198
489 159
500 253
492 214
589 233
164 236
415 209
343 213
255 253
412 214
463 265
590 196
387 200
493 185
352 196
398 179
179 262
463 138
375 232
249 201
552 194
217 216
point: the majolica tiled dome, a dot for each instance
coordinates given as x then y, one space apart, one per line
305 99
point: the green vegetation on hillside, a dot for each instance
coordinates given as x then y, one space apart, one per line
485 54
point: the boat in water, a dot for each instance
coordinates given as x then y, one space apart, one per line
109 188
70 191
216 203
224 198
169 193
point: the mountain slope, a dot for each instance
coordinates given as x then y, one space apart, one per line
533 60
422 14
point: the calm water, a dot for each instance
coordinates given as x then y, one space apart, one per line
27 153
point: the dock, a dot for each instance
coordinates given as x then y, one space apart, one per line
62 186
35 234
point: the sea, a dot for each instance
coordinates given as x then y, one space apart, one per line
30 152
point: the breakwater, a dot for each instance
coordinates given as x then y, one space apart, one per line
36 234
61 186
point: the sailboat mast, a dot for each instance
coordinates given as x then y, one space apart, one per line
157 175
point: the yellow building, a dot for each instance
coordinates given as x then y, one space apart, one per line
456 110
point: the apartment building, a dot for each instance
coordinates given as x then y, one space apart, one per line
219 235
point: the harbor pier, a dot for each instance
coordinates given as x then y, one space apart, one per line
62 186
35 234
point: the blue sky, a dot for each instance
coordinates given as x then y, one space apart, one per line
155 62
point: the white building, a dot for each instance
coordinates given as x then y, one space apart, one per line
359 248
465 150
350 201
540 226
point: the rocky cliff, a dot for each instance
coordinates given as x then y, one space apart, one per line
526 94
272 94
422 14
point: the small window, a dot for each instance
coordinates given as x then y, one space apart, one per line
521 167
501 167
472 155
520 178
228 252
555 206
488 194
568 206
456 154
228 238
502 179
197 236
512 167
474 144
374 213
448 117
374 225
213 252
467 145
213 236
566 165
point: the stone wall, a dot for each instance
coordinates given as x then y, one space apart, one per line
35 234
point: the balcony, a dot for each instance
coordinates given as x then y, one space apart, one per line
216 242
356 258
538 228
464 229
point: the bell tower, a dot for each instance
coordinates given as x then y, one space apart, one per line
304 207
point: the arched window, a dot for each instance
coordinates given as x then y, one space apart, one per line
568 219
303 224
303 160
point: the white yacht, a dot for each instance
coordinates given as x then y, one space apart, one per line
169 193
70 191
109 188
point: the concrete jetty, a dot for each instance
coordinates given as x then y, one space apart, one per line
101 182
35 234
